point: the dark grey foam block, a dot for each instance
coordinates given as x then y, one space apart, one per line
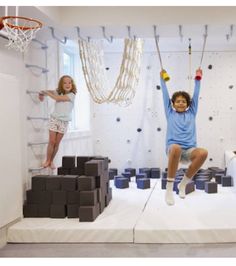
53 182
227 181
39 182
86 183
88 198
88 213
72 210
69 182
94 168
43 210
30 210
68 161
73 197
59 197
63 171
58 211
210 187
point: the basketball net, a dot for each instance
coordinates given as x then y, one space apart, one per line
20 31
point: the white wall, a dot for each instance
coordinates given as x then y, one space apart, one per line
10 152
13 149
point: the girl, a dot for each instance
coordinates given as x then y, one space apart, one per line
181 142
64 96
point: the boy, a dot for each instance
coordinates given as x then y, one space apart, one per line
181 142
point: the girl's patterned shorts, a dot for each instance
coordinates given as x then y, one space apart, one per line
58 125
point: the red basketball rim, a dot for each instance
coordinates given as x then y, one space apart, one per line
38 23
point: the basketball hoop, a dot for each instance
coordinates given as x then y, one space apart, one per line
20 31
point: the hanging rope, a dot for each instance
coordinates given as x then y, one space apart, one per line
203 50
158 51
190 64
199 71
95 76
164 74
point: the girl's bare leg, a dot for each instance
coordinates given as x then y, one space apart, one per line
59 137
50 148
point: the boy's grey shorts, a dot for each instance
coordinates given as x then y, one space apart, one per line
185 154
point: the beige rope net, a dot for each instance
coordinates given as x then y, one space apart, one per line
95 74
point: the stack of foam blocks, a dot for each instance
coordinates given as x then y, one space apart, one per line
80 190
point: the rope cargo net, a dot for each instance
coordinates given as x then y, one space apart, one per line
92 59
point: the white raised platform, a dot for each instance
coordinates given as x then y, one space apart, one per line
142 216
115 224
230 162
199 218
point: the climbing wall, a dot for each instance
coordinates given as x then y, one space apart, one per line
43 71
135 136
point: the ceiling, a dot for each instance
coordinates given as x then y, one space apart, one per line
171 22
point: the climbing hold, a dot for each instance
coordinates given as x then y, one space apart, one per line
139 129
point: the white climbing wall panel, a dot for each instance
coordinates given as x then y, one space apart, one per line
10 150
216 124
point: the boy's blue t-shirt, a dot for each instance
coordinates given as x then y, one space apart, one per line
181 127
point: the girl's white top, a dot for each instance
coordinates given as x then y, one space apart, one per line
63 109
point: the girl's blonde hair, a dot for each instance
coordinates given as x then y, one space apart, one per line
60 89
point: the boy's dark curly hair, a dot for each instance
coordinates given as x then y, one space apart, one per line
183 94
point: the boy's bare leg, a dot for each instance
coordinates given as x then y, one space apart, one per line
173 161
198 157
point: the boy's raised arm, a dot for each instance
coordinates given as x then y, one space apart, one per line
165 94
